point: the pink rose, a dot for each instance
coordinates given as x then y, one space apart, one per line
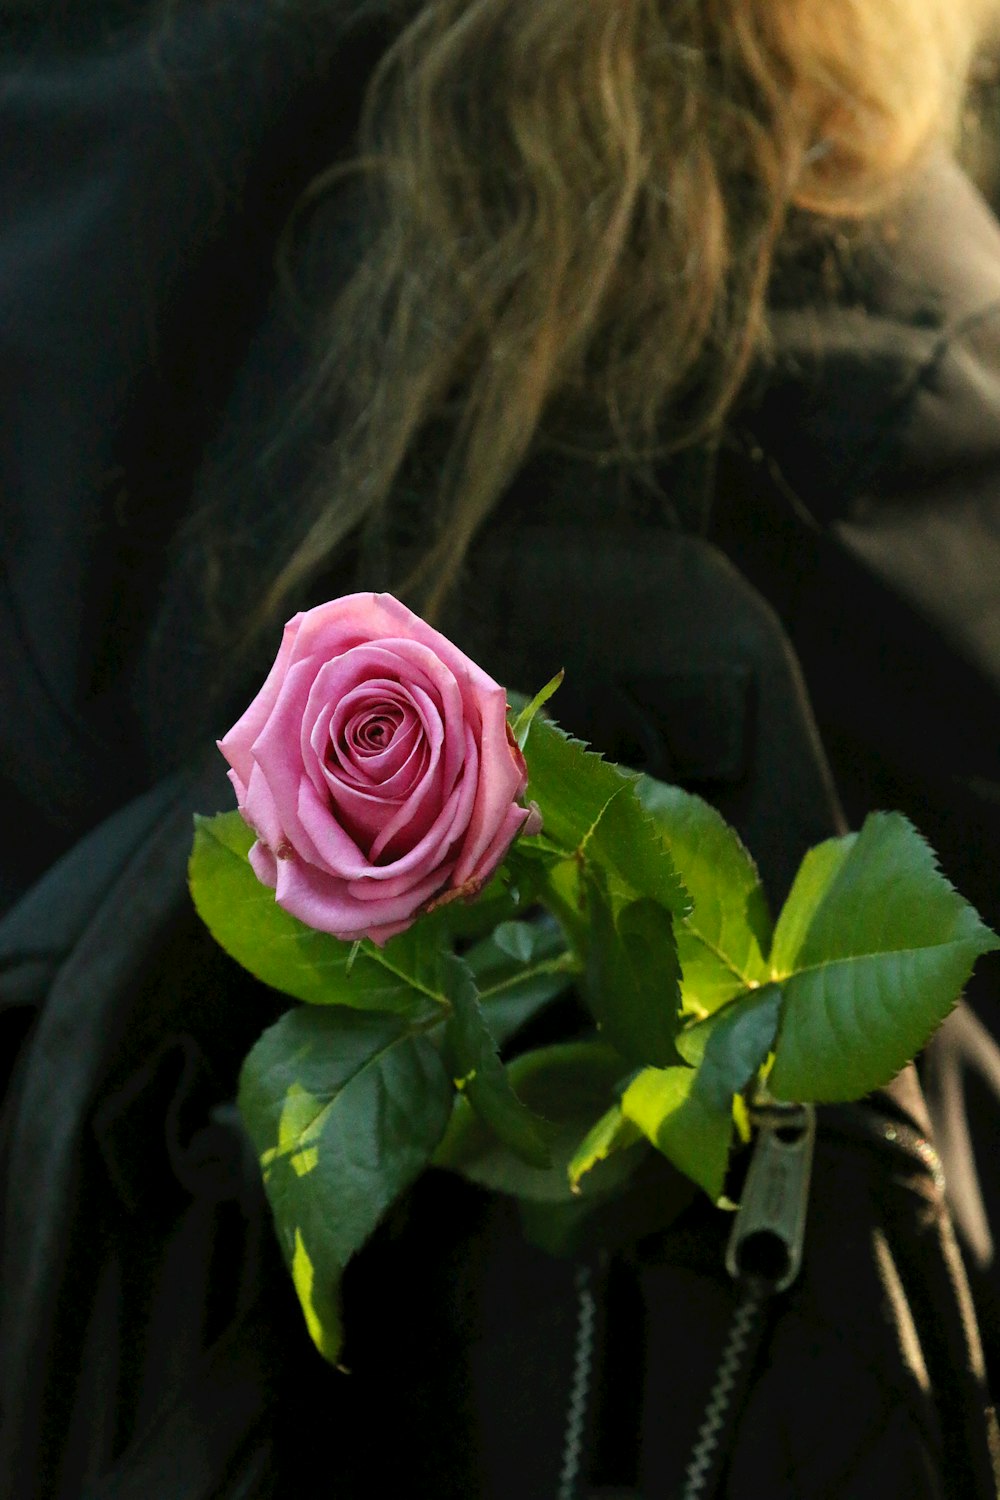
377 769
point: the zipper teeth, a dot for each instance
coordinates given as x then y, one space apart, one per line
700 1470
579 1394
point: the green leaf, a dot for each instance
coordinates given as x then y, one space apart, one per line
632 975
730 1046
874 951
344 1109
592 817
682 1123
572 1084
531 851
470 1053
547 876
516 940
631 895
242 916
523 722
412 959
571 784
613 1132
511 991
631 848
722 941
816 874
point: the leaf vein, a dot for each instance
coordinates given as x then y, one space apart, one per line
723 958
317 1122
861 958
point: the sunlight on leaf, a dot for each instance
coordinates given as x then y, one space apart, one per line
362 1102
667 1106
568 1086
613 1132
723 940
327 1340
879 945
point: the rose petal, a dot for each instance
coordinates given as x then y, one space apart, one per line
236 745
357 619
260 812
396 770
429 728
333 628
492 857
335 851
451 821
502 779
276 752
432 851
373 724
391 775
322 901
372 730
407 672
377 768
373 745
237 786
264 864
374 816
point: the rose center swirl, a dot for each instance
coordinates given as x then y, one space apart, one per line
371 731
376 743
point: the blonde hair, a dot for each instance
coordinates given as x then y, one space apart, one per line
574 209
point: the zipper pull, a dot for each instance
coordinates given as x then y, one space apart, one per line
766 1239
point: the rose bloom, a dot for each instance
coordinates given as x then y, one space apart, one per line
377 769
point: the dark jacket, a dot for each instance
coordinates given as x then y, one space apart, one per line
803 625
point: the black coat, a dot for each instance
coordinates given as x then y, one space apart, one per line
807 626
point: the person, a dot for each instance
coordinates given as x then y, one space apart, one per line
658 342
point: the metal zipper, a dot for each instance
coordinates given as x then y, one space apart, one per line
763 1257
574 1432
767 1234
743 1337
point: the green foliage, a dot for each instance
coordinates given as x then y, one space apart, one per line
518 970
569 1086
470 1054
655 910
722 940
548 876
874 951
612 1133
683 1121
525 717
730 1046
815 875
344 1109
615 890
629 848
632 975
242 916
571 784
